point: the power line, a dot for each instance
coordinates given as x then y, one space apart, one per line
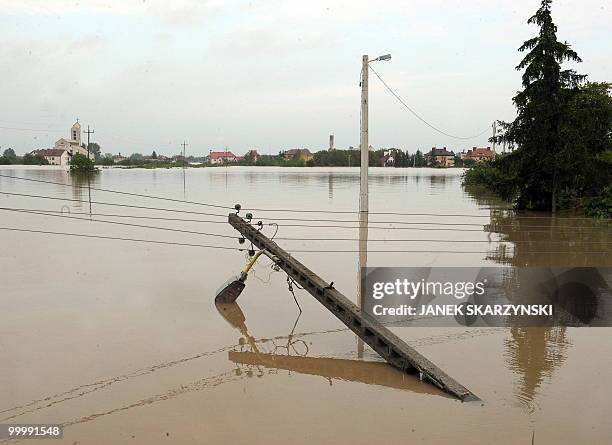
405 223
38 130
161 218
415 114
254 209
114 204
116 215
15 229
83 235
370 223
126 224
53 214
116 191
41 130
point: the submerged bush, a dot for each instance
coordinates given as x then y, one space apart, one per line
82 164
601 206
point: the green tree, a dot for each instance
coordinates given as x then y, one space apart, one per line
95 149
34 159
542 114
107 159
419 159
81 164
10 156
335 158
153 155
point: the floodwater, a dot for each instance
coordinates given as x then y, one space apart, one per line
121 342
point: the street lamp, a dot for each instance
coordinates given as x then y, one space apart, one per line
382 58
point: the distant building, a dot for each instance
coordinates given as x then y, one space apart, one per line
220 157
389 157
54 156
119 157
440 157
64 149
331 142
252 155
73 145
302 153
478 154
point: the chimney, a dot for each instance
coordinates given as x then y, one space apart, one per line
331 141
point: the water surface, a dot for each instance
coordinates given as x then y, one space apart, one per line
121 341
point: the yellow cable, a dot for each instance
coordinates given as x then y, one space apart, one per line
248 267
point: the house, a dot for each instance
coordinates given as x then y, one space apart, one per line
300 153
54 156
252 155
119 157
389 158
440 157
220 157
478 154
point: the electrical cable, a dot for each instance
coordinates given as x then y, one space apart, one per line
415 114
194 232
117 191
254 209
114 204
117 215
84 235
16 229
370 223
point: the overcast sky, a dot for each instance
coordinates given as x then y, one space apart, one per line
270 75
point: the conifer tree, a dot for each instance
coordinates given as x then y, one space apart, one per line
542 109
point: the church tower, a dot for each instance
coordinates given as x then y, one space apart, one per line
75 132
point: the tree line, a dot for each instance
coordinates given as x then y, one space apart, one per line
10 157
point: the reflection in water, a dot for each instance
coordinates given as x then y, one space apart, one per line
297 178
370 373
81 187
533 354
362 263
531 236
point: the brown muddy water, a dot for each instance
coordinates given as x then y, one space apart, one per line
121 342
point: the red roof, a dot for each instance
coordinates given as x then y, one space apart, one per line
49 152
295 151
221 154
480 152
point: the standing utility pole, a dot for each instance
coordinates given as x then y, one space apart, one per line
184 144
363 190
365 155
494 134
363 184
88 132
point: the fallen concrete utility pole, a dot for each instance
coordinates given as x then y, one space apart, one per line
388 345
